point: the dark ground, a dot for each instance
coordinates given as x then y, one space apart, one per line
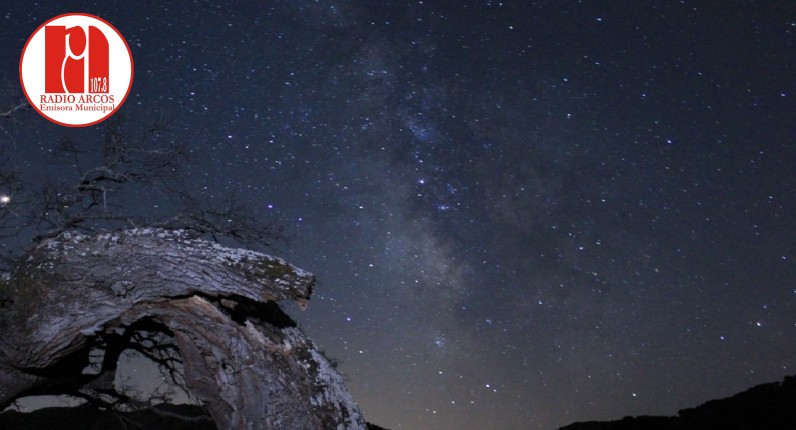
767 406
87 418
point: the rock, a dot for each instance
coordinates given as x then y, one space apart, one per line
243 358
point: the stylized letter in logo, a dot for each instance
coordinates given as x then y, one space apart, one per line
66 68
74 63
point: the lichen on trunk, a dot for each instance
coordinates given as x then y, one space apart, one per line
247 362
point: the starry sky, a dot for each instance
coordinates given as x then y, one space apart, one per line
520 214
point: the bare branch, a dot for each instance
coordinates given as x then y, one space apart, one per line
204 312
22 105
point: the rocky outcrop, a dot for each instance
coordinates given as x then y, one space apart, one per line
243 358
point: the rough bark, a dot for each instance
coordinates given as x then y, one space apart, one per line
244 359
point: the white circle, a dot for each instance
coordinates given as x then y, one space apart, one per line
77 109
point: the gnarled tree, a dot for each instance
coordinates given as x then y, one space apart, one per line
243 358
95 283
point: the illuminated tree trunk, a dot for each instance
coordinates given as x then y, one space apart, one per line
246 361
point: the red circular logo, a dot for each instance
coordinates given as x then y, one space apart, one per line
76 70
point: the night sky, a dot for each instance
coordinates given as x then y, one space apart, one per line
520 214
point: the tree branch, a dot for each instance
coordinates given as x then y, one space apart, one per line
7 114
239 356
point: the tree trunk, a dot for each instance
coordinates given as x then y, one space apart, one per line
243 358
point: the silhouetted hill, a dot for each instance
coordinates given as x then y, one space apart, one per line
767 406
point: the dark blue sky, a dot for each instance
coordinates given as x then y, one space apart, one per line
521 214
